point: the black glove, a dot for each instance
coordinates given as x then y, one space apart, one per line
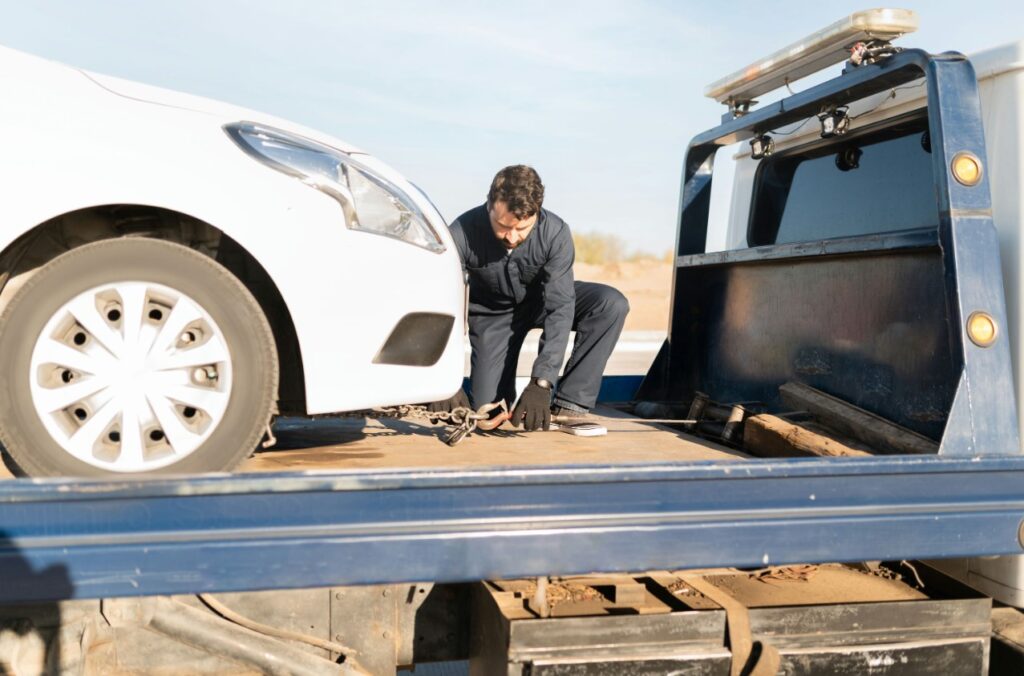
457 400
533 410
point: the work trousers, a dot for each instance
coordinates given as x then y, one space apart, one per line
496 340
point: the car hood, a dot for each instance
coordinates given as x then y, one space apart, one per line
144 93
32 68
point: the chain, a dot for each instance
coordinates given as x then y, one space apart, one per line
462 418
416 411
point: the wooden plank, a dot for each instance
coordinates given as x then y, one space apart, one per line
629 594
770 436
881 434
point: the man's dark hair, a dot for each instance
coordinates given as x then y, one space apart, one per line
519 187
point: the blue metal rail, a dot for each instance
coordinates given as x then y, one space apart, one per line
87 539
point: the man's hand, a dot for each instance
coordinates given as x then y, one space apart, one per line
533 410
457 400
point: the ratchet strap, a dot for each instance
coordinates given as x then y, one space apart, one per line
741 641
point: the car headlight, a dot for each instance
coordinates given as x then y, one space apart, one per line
370 202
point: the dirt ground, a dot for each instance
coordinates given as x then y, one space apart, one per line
646 283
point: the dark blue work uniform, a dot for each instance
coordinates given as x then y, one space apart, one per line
532 286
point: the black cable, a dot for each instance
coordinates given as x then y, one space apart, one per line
891 95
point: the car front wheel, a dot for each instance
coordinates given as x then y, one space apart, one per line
134 356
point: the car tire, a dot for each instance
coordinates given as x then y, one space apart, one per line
143 289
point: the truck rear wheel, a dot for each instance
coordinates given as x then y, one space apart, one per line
134 356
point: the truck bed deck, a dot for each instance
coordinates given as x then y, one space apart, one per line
309 444
358 443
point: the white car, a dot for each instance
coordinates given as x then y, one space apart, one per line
176 270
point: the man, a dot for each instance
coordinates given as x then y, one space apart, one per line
519 257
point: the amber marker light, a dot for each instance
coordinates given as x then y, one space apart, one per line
966 168
981 329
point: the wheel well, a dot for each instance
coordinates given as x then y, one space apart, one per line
50 239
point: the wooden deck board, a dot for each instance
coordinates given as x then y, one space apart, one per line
357 443
305 444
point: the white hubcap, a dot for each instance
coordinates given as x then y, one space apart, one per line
130 377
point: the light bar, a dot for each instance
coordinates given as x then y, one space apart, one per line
819 50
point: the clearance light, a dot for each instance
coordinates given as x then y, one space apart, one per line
966 168
981 329
819 50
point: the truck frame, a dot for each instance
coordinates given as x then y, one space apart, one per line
73 539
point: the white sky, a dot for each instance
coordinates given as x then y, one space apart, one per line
600 96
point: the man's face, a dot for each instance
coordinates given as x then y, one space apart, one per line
508 228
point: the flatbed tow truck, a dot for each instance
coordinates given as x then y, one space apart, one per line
359 546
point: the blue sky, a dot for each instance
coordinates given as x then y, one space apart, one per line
600 96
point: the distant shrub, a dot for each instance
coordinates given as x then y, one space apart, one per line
648 257
598 249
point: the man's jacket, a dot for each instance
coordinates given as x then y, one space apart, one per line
535 277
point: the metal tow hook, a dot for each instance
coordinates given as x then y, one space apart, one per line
466 420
